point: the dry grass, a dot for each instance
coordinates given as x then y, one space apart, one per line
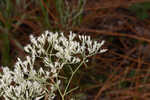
122 73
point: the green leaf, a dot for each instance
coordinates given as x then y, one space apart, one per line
5 49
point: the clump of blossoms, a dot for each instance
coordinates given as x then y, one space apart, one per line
50 52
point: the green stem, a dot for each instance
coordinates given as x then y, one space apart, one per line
71 78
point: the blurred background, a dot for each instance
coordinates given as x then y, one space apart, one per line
122 73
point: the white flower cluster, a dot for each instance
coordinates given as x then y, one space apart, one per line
24 82
54 51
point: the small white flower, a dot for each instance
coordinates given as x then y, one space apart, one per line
54 51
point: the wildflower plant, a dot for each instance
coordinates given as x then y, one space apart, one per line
51 52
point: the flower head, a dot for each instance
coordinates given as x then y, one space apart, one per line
54 50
